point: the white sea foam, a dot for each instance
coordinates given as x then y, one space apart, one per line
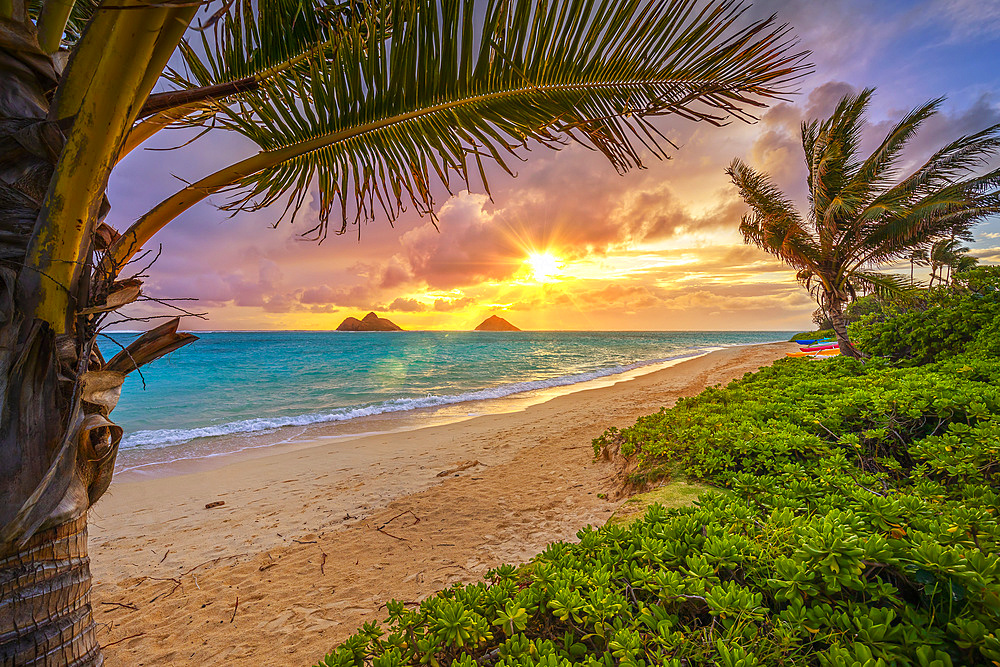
152 439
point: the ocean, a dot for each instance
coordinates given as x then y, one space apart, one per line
230 391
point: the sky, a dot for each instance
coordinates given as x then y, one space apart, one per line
569 243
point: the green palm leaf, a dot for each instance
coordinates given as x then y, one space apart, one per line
256 35
380 117
887 286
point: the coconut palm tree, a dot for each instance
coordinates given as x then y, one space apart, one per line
947 257
375 104
860 216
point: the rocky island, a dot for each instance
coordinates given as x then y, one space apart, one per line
494 323
370 322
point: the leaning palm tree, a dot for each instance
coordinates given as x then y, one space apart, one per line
860 217
946 257
375 104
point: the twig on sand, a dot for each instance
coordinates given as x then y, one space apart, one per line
266 566
322 562
395 537
489 658
176 582
123 604
209 562
235 607
303 541
165 555
461 466
410 512
138 634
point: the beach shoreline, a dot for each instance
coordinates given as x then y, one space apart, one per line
178 459
313 540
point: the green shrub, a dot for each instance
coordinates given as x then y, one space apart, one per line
814 335
943 321
858 526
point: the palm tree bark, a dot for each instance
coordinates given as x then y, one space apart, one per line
47 477
45 613
835 309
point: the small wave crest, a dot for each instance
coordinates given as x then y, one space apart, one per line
166 437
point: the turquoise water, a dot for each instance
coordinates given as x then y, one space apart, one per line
237 383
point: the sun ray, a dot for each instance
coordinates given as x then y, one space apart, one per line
544 266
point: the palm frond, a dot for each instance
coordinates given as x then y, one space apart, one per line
878 170
948 211
404 102
80 15
773 223
257 35
888 286
953 161
834 161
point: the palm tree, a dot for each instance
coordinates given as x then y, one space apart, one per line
376 104
947 257
917 257
860 216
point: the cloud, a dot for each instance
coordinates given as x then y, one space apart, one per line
402 305
452 305
577 211
987 255
967 19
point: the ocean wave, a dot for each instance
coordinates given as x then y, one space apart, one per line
166 437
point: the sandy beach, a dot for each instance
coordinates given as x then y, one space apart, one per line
311 542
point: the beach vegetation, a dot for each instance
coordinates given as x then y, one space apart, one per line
854 521
962 316
861 215
376 105
818 334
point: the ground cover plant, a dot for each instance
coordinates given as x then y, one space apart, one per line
854 523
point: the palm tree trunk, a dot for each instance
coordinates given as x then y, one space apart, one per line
835 310
45 613
47 463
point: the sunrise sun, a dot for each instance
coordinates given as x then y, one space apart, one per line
544 266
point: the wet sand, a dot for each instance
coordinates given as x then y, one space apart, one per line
312 541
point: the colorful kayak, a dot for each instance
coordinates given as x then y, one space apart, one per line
822 353
807 342
818 348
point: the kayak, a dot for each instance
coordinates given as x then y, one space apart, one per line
832 352
817 348
807 342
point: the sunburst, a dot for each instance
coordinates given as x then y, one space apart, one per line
544 266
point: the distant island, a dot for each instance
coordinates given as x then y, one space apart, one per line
494 323
370 322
